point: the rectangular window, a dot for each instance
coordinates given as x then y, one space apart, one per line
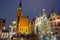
20 29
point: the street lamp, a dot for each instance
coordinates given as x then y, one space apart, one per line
4 27
14 22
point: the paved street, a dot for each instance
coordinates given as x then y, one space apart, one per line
2 39
29 38
22 38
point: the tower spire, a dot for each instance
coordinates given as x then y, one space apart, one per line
19 10
20 4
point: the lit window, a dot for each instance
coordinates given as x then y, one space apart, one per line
20 29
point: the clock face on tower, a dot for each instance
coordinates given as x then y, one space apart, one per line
19 12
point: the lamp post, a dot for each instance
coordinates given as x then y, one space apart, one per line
12 27
11 32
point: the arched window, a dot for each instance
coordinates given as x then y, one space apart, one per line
57 17
53 18
37 29
22 29
55 24
50 19
51 24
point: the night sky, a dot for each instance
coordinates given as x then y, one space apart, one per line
32 8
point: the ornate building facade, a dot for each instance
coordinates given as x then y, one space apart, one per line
22 22
55 23
42 26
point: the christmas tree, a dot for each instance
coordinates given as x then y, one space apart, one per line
45 26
